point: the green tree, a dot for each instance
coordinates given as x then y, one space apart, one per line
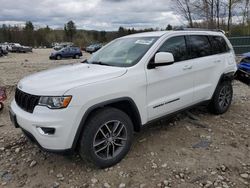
29 33
121 31
70 30
169 27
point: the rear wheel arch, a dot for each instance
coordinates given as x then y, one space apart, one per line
225 77
124 104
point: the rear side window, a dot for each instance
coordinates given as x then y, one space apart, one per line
219 44
176 46
199 46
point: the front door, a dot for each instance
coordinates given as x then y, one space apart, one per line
170 88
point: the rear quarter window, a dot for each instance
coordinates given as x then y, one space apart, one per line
219 44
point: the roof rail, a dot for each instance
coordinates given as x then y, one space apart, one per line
199 29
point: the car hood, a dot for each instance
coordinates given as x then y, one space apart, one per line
57 81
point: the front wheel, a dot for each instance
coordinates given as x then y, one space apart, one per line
107 137
222 98
1 106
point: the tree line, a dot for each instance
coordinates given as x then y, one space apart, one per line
46 36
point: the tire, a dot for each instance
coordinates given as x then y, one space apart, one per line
58 57
76 56
222 98
1 106
107 151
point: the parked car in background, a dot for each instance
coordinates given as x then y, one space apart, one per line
67 52
61 45
93 48
6 46
16 47
26 49
3 50
243 72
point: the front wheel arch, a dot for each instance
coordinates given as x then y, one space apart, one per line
125 104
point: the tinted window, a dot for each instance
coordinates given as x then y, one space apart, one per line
219 44
199 46
176 46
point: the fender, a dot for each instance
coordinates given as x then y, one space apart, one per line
101 105
225 77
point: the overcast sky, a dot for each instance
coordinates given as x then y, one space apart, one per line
90 14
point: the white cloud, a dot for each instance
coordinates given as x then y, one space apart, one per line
94 14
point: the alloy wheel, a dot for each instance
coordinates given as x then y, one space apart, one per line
225 97
110 139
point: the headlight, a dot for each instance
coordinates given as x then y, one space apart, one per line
55 102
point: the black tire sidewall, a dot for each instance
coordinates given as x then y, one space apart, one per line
214 106
92 126
1 106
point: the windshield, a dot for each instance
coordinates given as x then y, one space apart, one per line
124 52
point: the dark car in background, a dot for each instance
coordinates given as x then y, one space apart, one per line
243 72
67 52
16 47
93 48
3 51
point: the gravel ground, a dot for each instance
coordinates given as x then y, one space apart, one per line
193 149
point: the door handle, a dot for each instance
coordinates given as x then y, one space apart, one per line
187 67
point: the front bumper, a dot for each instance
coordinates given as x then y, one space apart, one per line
63 121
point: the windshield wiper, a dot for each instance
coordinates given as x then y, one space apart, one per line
100 63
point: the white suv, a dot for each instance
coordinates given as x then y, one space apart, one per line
95 106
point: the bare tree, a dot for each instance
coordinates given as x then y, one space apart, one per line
184 8
231 5
217 4
245 12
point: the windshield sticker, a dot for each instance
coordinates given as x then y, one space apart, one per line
145 42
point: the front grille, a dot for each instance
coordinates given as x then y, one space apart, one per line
26 101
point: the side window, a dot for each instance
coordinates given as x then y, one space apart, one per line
219 44
199 46
176 46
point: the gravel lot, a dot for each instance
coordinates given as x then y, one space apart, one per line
193 149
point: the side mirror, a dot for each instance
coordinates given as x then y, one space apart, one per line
162 59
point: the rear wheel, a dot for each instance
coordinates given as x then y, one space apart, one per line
76 56
107 137
58 57
222 98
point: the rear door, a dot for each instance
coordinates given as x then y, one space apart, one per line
205 66
170 87
66 52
